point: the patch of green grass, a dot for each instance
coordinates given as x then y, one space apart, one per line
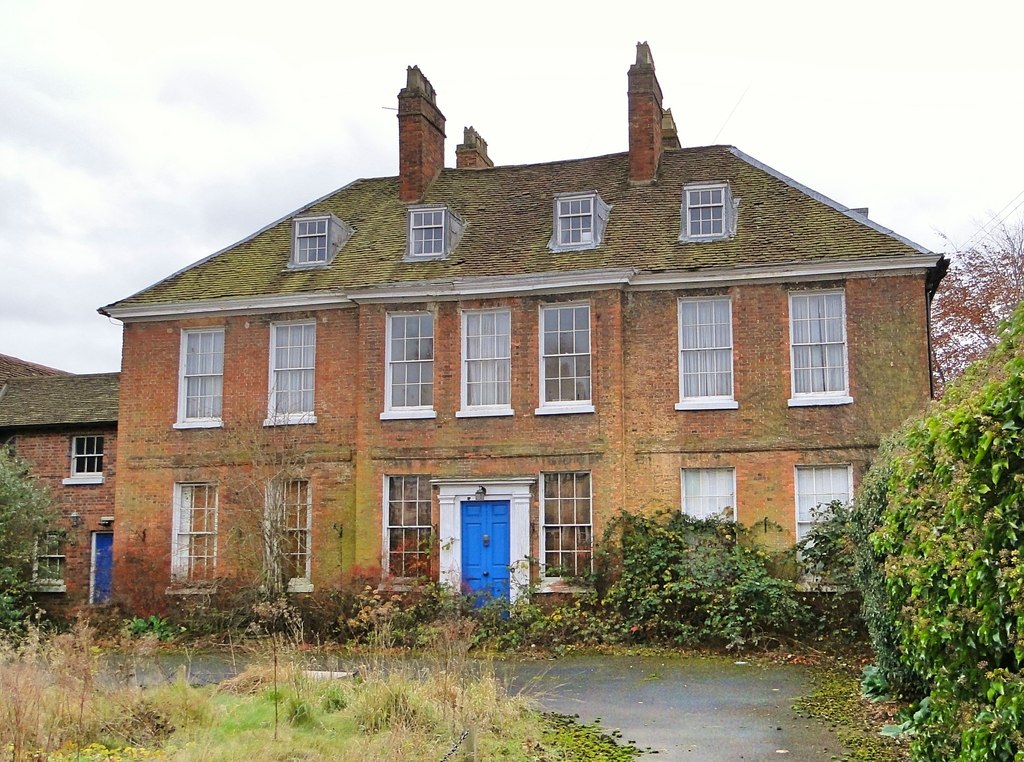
586 742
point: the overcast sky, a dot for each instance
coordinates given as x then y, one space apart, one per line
137 137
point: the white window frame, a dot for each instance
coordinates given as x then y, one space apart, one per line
704 475
391 365
598 215
560 407
847 468
275 418
276 517
500 409
86 477
50 584
335 234
834 397
182 557
198 422
451 231
706 402
548 583
386 550
728 212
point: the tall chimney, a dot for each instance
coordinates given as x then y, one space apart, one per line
420 137
645 117
472 152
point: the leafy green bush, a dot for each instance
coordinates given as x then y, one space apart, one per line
138 627
676 579
951 534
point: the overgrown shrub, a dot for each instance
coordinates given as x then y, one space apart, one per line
676 579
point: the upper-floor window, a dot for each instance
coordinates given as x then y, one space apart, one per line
817 487
315 240
817 330
194 532
409 384
708 212
567 531
579 221
288 533
434 232
201 386
86 460
705 354
486 363
407 526
565 359
292 369
709 492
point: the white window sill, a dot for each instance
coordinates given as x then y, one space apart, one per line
484 412
561 585
709 404
185 589
563 409
75 480
300 585
402 415
199 423
48 587
809 400
290 419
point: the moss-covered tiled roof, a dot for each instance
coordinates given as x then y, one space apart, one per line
508 220
14 367
59 400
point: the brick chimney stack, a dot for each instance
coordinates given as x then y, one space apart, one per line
420 136
472 153
669 133
645 117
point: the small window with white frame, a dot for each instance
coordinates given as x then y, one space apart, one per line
709 493
407 527
817 329
708 212
194 532
567 531
201 388
409 383
705 354
288 533
486 363
817 487
49 564
292 373
86 460
579 221
434 232
316 240
565 368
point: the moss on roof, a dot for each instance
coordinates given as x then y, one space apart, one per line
508 220
59 400
15 367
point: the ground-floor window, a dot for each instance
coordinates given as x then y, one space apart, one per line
194 531
407 526
50 563
709 492
567 534
818 486
289 532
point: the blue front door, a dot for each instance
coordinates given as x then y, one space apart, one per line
102 566
485 548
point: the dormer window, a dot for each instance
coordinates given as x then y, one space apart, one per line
434 232
315 240
579 221
708 212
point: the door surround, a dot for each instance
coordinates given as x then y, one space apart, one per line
452 493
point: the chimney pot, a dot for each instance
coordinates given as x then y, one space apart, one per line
472 152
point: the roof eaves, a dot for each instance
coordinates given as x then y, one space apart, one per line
855 216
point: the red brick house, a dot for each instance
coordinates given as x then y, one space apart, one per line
65 427
466 372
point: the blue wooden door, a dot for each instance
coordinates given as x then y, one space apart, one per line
485 548
102 566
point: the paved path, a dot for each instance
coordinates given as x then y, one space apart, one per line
687 708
